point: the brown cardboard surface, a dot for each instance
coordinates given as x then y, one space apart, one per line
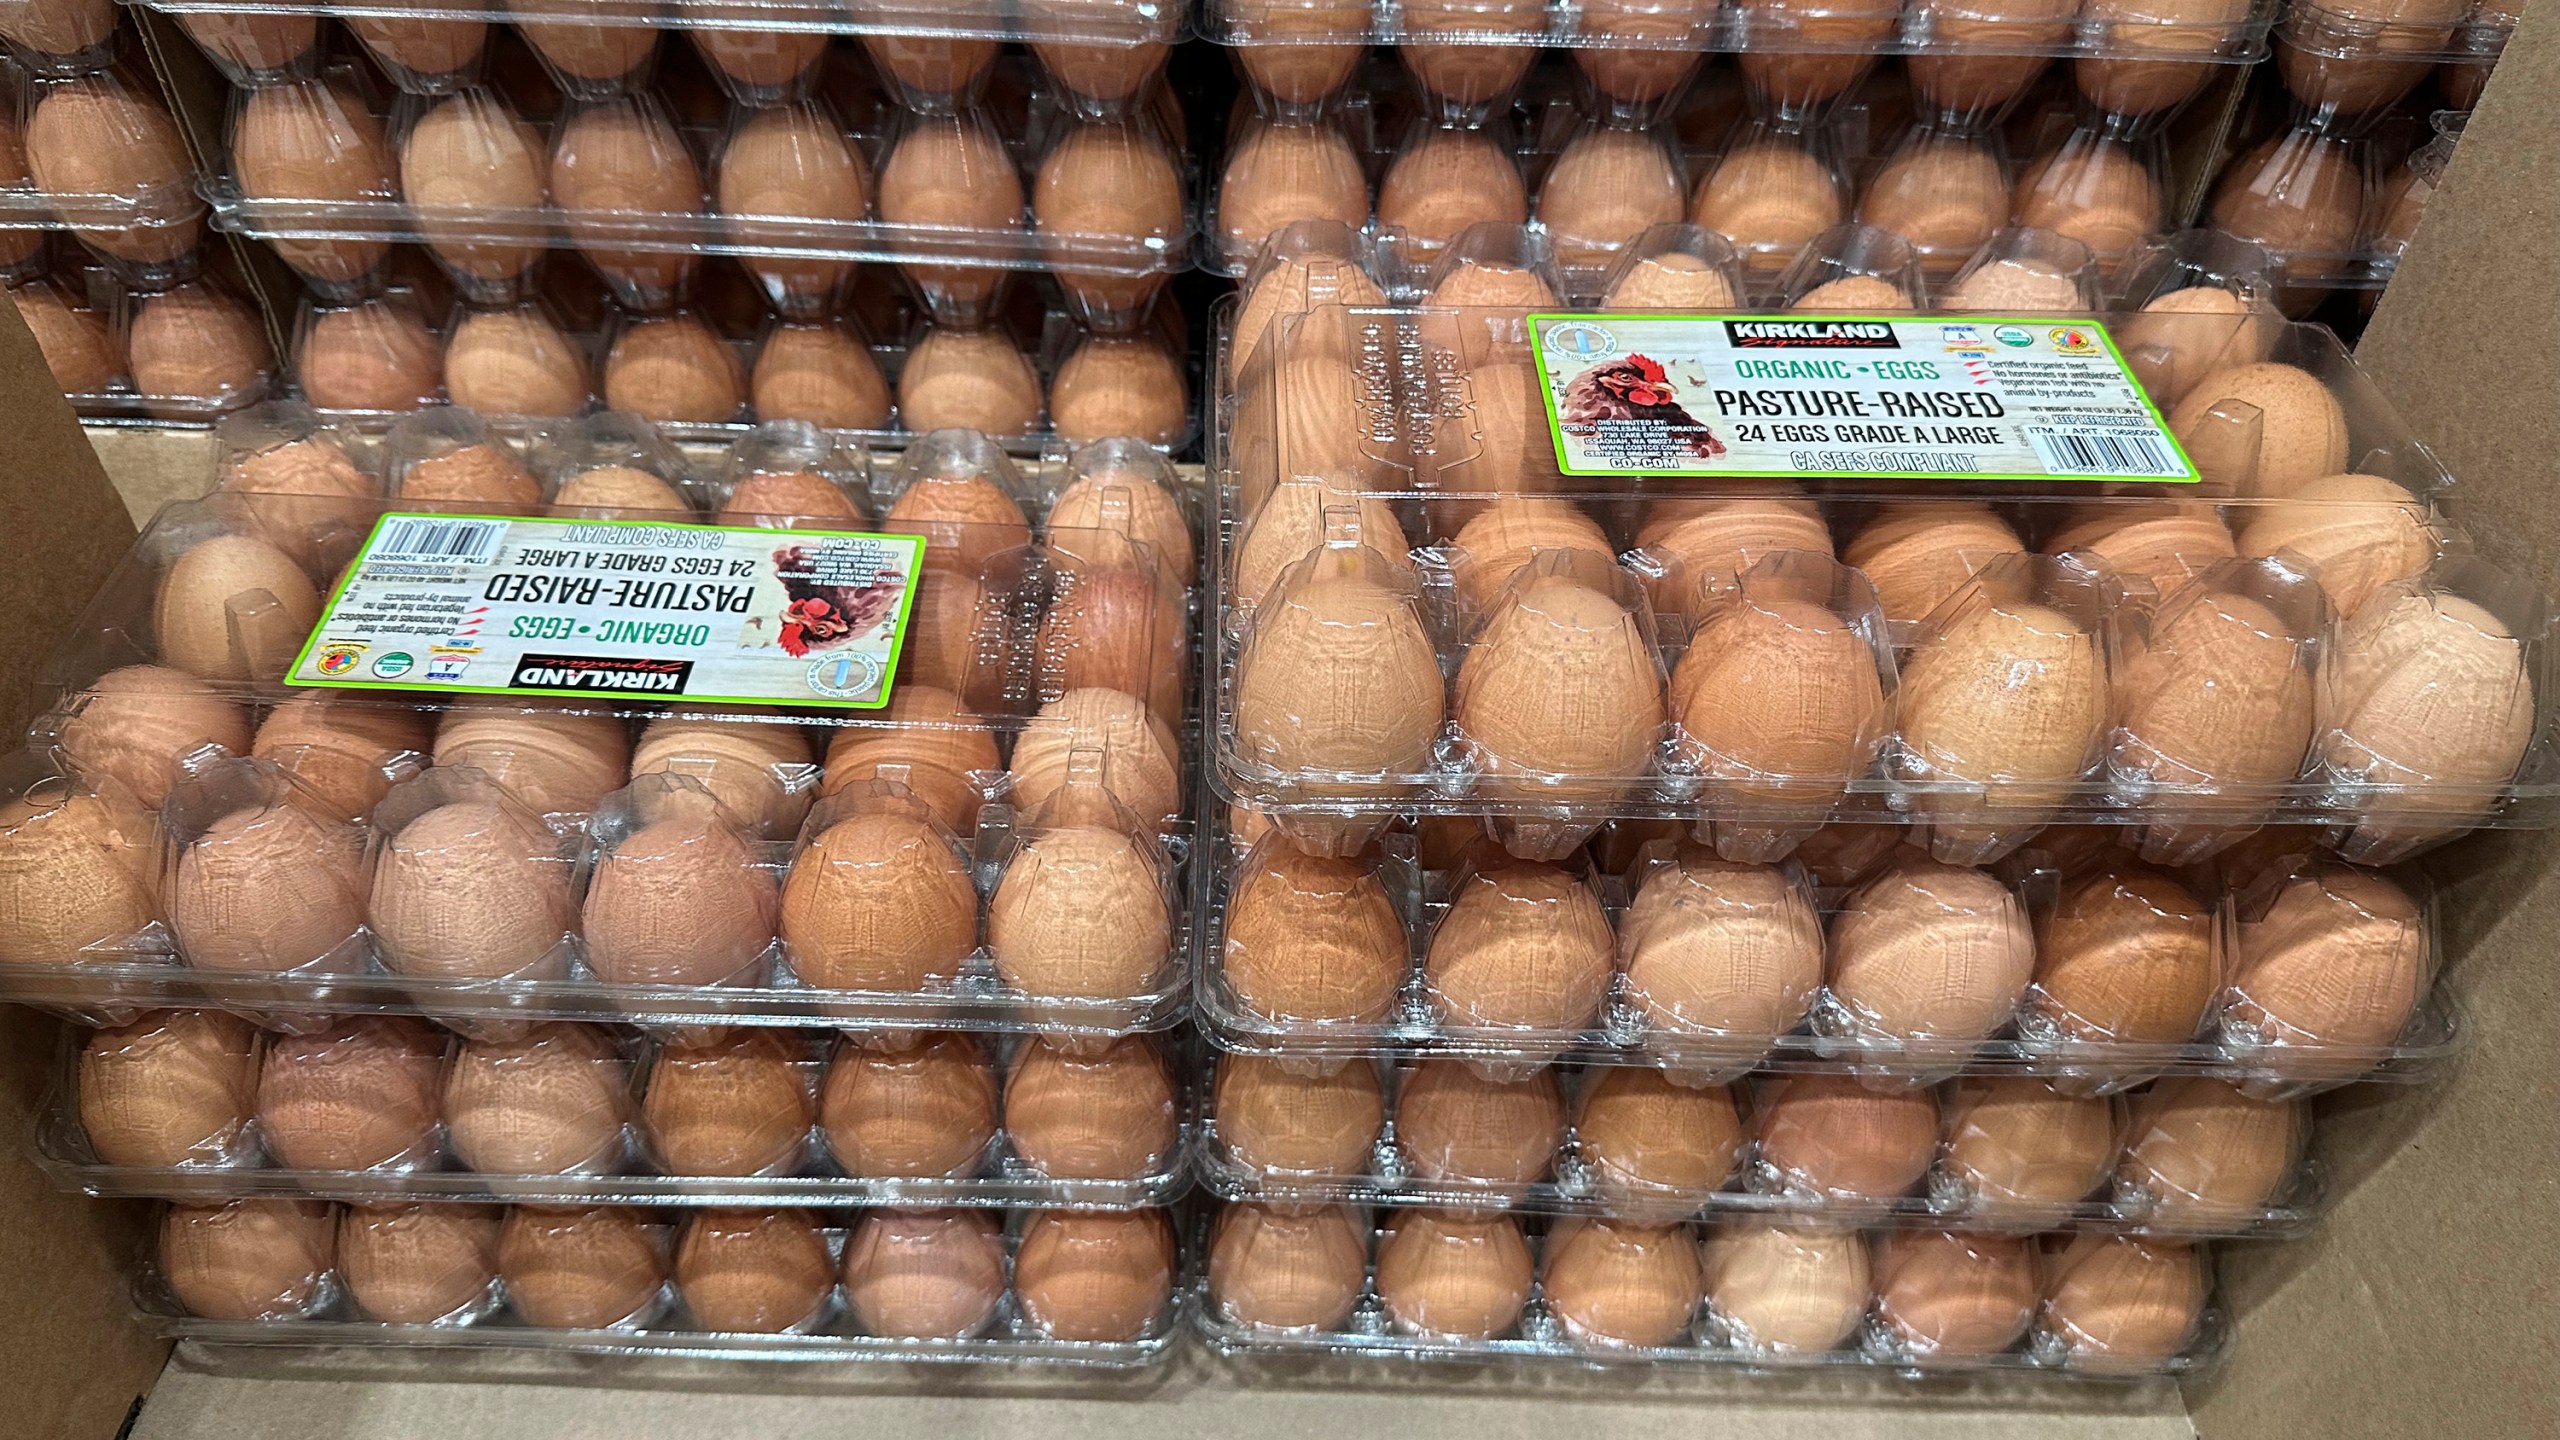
2428 1304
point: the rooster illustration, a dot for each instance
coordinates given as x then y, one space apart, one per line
819 614
1636 389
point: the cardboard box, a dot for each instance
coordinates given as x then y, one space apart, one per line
2429 1304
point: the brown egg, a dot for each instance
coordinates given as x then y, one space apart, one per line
2018 1144
425 47
417 1264
1447 179
1779 701
2429 694
590 52
2356 533
1298 1117
879 901
1286 1268
2338 959
756 766
1107 1114
1696 541
734 1102
2127 956
234 608
1490 284
514 363
940 756
1292 68
1616 1282
966 518
480 477
2026 287
2263 430
1721 948
1080 912
1454 1274
171 1087
2093 190
2012 696
1830 1136
196 343
61 27
1115 386
1296 521
1777 1287
250 1259
79 350
1945 194
1296 285
374 355
968 380
823 374
342 753
1606 188
308 496
2143 28
951 174
753 1271
1770 199
587 1268
1857 293
1811 51
1588 722
134 723
613 165
926 1109
2185 335
679 901
1120 58
360 1093
1455 1123
1101 1277
95 137
2123 1302
1523 946
2218 693
925 61
467 164
789 500
1950 1294
551 1103
924 1273
1981 60
1318 415
619 492
1647 46
1339 676
2373 35
674 370
1931 952
1309 938
793 163
268 888
1277 175
472 891
1112 187
2162 545
1647 1137
760 59
551 759
2200 1150
959 637
77 870
1470 73
2300 195
1918 555
1091 517
1507 534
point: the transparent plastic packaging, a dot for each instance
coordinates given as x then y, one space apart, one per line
1390 470
2349 58
1023 1285
389 1110
2001 1153
1762 1294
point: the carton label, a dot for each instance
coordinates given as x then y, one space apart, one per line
488 605
1974 397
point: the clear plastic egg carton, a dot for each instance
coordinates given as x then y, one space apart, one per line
199 1106
202 349
1025 21
2193 1157
1363 442
1104 1289
2323 197
104 161
2349 56
1757 1295
2055 966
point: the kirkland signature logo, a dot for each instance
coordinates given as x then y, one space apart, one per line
1832 334
578 672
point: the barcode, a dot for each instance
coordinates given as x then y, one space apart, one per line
461 542
2099 452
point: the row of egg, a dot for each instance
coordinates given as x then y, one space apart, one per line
2354 56
101 154
2192 1154
2314 197
1751 1290
198 1088
383 356
181 353
891 1274
627 184
1713 962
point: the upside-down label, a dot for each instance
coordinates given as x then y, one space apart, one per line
1972 397
633 608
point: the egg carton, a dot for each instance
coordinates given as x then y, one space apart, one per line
1407 448
273 1270
1119 22
85 318
1585 1001
635 1150
1604 1292
110 170
2181 1158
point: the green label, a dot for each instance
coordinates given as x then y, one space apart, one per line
640 609
1970 397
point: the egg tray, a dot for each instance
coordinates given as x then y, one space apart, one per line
243 1168
1136 22
1575 1183
1542 1334
665 1328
